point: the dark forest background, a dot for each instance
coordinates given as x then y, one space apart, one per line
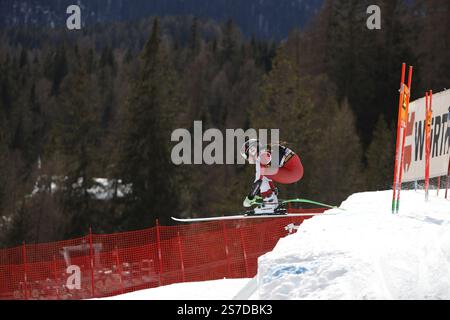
102 103
269 19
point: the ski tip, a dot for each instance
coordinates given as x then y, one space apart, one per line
178 219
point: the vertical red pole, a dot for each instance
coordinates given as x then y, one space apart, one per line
91 256
431 112
227 254
180 252
448 176
158 240
24 259
427 144
397 155
404 126
119 268
448 171
247 272
410 77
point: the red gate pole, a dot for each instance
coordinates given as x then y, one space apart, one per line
227 254
448 171
245 254
427 142
180 251
404 126
158 240
24 260
91 256
448 175
397 153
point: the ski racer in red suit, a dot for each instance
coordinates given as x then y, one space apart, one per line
288 170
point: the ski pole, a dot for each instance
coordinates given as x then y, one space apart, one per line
312 202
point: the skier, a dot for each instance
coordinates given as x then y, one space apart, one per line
289 170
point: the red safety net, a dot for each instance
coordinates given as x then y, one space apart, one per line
112 264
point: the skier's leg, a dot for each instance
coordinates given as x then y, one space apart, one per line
270 198
267 190
291 172
250 200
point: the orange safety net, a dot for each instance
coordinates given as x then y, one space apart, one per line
112 264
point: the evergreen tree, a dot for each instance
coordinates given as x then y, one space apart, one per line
194 41
56 68
107 58
145 162
380 157
72 145
4 151
362 63
23 58
339 156
37 131
229 43
431 22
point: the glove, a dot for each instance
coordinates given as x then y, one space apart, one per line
265 158
250 202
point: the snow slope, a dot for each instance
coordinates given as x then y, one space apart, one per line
206 290
364 252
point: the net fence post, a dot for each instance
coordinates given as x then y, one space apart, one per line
91 258
244 250
55 272
119 268
227 253
180 251
158 240
25 277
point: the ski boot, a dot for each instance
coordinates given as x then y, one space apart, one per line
251 202
270 206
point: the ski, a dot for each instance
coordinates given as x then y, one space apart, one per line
251 216
283 202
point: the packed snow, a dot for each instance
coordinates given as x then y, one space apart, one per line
364 252
205 290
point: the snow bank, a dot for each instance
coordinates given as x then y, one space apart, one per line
205 290
364 252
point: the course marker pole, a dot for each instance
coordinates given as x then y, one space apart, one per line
429 116
402 122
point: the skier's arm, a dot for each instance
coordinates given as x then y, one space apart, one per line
255 189
258 169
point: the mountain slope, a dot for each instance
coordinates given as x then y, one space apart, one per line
263 18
